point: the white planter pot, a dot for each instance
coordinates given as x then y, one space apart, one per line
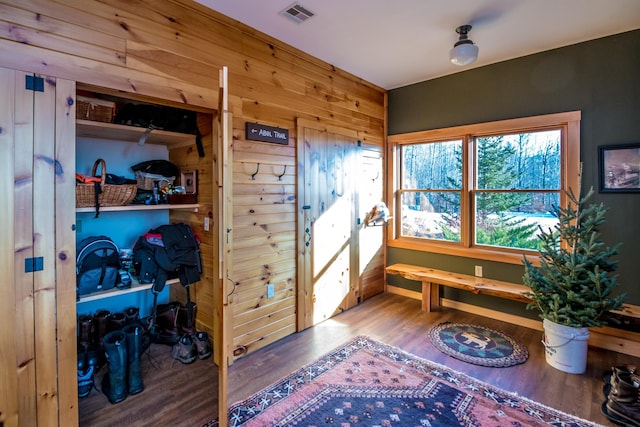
566 347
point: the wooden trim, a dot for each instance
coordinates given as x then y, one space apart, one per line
44 292
10 398
479 129
65 218
225 208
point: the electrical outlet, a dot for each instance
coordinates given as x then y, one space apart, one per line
478 271
270 290
206 223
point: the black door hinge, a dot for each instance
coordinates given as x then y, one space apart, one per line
34 83
33 264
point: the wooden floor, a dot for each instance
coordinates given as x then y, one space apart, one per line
185 395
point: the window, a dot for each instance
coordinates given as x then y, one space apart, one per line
483 190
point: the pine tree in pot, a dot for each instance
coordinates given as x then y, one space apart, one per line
573 285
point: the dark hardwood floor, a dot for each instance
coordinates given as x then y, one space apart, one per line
186 395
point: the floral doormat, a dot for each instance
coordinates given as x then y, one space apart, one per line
478 345
367 383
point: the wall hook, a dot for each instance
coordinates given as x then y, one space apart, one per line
253 175
285 171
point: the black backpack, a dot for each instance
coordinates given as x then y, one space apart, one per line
97 265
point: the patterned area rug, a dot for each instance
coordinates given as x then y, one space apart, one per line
367 383
478 345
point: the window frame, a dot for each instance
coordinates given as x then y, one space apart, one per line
567 122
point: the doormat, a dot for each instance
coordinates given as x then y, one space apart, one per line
368 383
478 345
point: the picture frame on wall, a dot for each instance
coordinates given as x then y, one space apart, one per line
619 168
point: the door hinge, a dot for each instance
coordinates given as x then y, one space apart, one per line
34 83
33 264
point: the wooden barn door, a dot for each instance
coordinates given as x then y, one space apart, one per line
327 261
37 211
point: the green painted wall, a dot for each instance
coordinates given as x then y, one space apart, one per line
600 77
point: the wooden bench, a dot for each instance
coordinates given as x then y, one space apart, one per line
432 279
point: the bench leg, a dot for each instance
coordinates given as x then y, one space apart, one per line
430 296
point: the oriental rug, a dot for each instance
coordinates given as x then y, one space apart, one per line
368 383
478 345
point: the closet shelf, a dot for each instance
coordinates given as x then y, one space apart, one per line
191 207
102 130
135 287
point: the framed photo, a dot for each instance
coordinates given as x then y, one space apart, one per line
619 168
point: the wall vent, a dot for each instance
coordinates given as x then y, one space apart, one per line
297 13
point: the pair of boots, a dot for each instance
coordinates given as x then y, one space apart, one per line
622 393
91 331
172 321
91 352
123 350
192 346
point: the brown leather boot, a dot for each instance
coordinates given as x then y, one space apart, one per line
165 331
187 319
85 324
623 401
100 327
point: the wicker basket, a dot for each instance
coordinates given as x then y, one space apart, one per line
97 110
112 195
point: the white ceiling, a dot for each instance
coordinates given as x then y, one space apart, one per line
393 43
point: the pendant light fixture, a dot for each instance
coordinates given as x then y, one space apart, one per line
464 52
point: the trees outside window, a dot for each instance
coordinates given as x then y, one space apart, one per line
483 188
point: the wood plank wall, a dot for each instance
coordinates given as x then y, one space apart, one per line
172 50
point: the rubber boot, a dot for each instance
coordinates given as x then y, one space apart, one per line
134 335
623 402
85 324
116 321
114 383
132 315
187 319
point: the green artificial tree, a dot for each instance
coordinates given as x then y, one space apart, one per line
573 284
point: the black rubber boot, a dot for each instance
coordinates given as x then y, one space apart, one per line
132 315
114 383
134 335
116 321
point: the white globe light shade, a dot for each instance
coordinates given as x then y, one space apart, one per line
463 53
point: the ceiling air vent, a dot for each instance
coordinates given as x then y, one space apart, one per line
297 13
